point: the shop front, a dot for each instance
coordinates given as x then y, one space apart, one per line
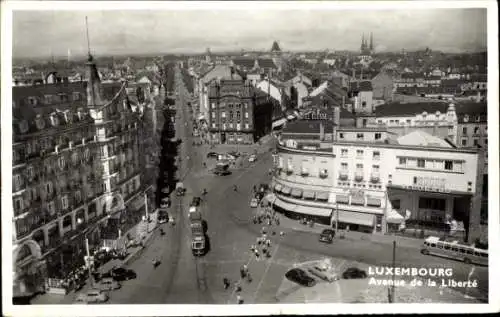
30 270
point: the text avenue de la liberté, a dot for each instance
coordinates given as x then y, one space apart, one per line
425 277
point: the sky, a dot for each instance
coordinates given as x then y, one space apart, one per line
46 33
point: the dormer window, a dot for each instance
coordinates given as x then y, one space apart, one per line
466 118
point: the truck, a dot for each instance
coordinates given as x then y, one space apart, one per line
198 237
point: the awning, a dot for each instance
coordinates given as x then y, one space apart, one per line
308 194
284 205
357 218
394 217
286 190
322 195
278 187
278 123
296 192
342 199
358 201
313 211
269 197
376 202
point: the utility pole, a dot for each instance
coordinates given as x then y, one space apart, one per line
336 218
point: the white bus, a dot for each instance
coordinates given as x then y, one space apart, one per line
454 250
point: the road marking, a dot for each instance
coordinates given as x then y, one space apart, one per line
268 265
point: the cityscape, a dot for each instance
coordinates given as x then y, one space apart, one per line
259 170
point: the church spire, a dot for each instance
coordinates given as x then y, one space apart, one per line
363 45
93 80
371 41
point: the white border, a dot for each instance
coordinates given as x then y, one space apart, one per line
182 310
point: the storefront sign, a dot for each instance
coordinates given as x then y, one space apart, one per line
431 183
310 148
291 144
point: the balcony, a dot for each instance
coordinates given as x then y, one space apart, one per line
358 176
323 174
375 177
343 175
304 172
289 170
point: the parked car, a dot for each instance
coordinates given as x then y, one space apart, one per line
353 272
324 273
252 158
222 172
122 274
300 277
92 296
254 203
196 201
327 235
108 283
162 216
212 155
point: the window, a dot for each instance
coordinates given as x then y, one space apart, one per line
464 142
213 125
18 205
213 115
359 166
486 142
341 135
230 115
360 136
64 202
78 196
402 161
376 155
47 99
466 118
408 121
18 182
363 104
375 168
432 203
344 152
476 130
48 188
448 165
246 115
238 126
396 204
378 136
223 114
247 126
421 163
238 115
359 153
343 166
76 96
476 142
464 130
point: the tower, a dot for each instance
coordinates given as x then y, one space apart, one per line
371 42
93 80
363 45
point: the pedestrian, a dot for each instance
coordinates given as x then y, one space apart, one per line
255 221
226 282
245 269
257 255
249 278
282 233
264 230
277 221
242 273
254 188
238 287
268 243
258 241
239 299
264 250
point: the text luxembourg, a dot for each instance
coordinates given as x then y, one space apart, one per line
413 271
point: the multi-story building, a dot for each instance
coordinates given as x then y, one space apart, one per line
238 112
75 162
367 179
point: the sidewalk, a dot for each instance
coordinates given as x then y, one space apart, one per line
380 238
133 254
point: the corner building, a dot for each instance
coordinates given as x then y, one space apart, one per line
372 181
75 172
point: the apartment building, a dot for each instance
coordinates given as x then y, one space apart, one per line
372 180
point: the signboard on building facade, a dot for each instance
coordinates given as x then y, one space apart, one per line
431 183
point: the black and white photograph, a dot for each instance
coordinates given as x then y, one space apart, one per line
219 155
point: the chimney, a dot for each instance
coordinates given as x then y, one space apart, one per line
336 116
321 131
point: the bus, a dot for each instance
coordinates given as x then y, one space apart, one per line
455 250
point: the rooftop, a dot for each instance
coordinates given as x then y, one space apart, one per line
410 109
421 138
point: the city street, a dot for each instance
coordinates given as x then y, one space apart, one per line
183 278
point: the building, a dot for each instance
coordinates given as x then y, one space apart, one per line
75 171
370 180
382 85
361 93
238 112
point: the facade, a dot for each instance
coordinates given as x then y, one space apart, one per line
238 112
367 179
75 162
382 85
362 96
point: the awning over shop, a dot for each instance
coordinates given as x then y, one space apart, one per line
375 202
313 211
278 123
278 187
357 218
284 205
358 201
308 194
322 196
394 217
342 199
296 192
286 190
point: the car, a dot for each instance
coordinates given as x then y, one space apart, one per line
327 235
107 283
162 216
252 158
196 201
323 272
254 203
222 172
300 277
212 155
354 272
92 296
122 274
